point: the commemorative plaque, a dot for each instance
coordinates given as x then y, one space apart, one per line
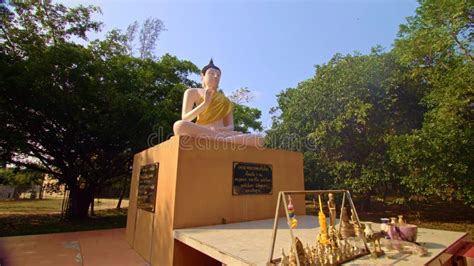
252 178
147 183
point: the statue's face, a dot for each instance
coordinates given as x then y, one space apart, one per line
211 78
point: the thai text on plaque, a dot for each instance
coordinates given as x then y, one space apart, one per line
147 187
252 178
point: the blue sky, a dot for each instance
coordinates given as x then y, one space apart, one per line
267 46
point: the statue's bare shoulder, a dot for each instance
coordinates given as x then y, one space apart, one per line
195 94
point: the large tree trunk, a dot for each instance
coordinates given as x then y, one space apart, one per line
79 202
92 207
40 196
122 193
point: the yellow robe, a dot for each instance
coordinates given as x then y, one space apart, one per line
219 107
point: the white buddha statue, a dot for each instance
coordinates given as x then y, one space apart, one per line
214 112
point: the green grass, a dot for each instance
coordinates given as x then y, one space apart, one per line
14 225
26 217
48 206
20 206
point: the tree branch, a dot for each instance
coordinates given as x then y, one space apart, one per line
36 167
7 38
466 53
42 159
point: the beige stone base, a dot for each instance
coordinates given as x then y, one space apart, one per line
194 188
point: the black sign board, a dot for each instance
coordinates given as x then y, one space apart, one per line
147 186
252 178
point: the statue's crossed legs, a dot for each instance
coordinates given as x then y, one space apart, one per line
186 128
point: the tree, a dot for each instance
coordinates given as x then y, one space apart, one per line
148 36
130 36
81 111
245 117
402 119
341 119
18 177
242 96
436 45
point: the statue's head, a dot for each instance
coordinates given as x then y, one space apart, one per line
210 75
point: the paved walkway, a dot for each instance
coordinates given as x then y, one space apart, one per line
87 248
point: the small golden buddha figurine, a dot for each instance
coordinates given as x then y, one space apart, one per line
213 112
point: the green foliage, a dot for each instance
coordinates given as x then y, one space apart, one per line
245 117
437 46
20 177
400 121
82 111
440 32
341 118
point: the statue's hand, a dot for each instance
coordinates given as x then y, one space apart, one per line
207 96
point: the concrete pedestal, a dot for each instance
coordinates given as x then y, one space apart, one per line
195 188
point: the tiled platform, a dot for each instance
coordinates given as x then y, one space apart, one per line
88 248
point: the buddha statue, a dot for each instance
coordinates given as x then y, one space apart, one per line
213 112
